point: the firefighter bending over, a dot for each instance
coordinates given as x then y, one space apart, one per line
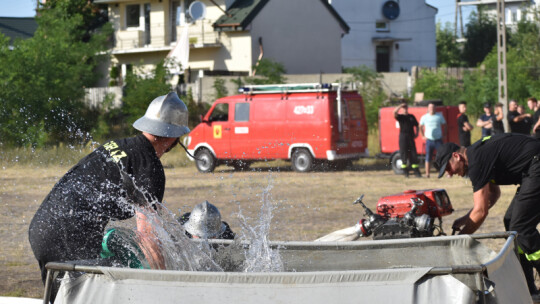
502 159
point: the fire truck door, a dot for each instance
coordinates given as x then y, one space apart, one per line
240 135
220 130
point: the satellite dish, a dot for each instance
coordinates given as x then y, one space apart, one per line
390 9
197 10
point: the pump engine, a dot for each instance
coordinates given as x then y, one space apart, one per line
409 214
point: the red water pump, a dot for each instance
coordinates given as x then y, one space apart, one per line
406 215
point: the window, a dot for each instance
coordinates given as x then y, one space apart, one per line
382 26
133 12
344 112
355 106
241 112
220 112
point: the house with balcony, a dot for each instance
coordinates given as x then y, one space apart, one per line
303 35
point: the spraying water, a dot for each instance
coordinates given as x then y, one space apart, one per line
181 253
260 257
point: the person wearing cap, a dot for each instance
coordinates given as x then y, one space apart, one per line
408 131
496 160
204 222
119 180
432 128
515 120
485 121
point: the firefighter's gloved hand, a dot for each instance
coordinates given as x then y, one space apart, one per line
459 223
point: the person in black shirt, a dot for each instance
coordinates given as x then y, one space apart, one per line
485 121
464 127
408 131
204 222
120 179
526 124
501 160
533 105
515 120
496 121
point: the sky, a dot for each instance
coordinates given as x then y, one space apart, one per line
25 8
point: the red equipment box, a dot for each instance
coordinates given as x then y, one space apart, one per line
436 203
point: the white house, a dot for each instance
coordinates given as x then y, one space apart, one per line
388 35
515 10
304 35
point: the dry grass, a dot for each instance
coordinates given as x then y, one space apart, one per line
307 205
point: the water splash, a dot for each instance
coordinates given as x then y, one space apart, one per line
259 256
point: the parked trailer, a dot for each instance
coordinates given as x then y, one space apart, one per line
446 269
389 132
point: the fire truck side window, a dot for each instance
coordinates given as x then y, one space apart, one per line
241 112
356 109
220 112
344 112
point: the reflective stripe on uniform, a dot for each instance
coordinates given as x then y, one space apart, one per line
535 256
415 166
403 166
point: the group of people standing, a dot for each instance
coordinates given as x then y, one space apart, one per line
519 121
432 127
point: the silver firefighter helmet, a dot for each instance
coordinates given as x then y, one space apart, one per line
205 221
166 116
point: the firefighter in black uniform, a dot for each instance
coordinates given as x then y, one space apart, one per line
408 131
503 159
120 179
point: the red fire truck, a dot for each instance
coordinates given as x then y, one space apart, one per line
389 131
303 123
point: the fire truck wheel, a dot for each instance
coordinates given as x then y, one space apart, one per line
396 163
302 160
205 162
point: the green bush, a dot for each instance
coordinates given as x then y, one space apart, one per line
370 87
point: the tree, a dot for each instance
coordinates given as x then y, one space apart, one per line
141 89
437 85
271 72
448 51
42 79
481 37
370 89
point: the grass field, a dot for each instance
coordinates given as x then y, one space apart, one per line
307 206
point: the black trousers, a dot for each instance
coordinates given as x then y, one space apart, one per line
407 149
523 214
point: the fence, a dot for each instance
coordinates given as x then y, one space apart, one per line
457 73
95 97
